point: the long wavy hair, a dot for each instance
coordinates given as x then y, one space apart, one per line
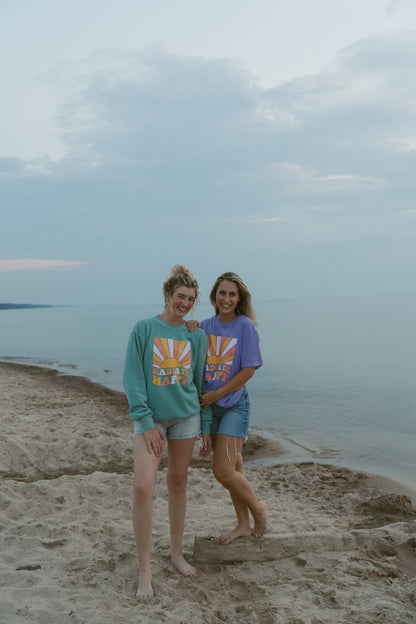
244 306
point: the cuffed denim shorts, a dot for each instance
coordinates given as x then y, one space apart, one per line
175 429
232 421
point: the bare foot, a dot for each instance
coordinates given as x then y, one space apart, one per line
239 531
183 566
260 522
145 589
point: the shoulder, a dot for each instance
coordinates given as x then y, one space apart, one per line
144 326
209 322
245 322
247 327
198 336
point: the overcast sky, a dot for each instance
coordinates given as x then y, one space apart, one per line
275 139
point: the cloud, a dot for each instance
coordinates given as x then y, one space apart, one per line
392 7
33 264
164 151
157 114
304 180
11 166
268 220
400 144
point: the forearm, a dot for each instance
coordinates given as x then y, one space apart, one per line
199 371
138 406
134 383
236 382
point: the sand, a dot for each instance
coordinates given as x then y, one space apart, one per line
67 545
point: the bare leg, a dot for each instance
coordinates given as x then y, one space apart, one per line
179 452
145 469
243 528
228 470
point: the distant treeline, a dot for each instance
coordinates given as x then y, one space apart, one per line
18 306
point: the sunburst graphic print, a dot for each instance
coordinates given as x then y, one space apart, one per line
221 350
169 353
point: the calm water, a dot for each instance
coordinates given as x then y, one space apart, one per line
338 382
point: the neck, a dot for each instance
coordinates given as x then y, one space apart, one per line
169 318
227 318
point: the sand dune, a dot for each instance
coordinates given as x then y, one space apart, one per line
67 545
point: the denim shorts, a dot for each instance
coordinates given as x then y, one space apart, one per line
232 421
175 429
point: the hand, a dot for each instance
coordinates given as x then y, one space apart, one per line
192 325
206 445
155 441
208 397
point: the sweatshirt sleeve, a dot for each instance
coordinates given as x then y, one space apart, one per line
199 371
134 381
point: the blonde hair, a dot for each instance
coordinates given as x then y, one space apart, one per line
179 276
244 306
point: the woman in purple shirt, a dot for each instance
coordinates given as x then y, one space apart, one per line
233 357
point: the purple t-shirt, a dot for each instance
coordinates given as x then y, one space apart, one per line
231 347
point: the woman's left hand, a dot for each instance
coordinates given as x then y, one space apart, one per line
208 397
206 445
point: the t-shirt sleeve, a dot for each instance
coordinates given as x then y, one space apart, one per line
250 352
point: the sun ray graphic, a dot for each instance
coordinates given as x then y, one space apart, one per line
221 350
170 353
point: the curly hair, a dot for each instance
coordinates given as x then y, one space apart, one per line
180 275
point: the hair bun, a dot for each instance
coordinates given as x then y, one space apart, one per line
179 269
180 275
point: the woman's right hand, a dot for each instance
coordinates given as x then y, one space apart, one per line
155 441
192 324
208 397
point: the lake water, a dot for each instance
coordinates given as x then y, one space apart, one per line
337 385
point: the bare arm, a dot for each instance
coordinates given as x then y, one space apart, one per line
236 382
192 324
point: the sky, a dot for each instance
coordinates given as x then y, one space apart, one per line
275 139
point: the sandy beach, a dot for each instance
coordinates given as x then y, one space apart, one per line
67 544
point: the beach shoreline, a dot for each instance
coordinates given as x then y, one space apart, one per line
287 448
68 543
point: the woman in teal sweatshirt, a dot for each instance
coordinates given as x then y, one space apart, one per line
163 377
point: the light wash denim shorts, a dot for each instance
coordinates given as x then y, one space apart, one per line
175 429
232 421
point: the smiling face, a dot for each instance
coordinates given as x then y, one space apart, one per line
226 300
178 304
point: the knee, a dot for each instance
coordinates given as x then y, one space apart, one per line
223 474
143 490
177 480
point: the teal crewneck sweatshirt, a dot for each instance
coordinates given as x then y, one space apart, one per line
164 372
